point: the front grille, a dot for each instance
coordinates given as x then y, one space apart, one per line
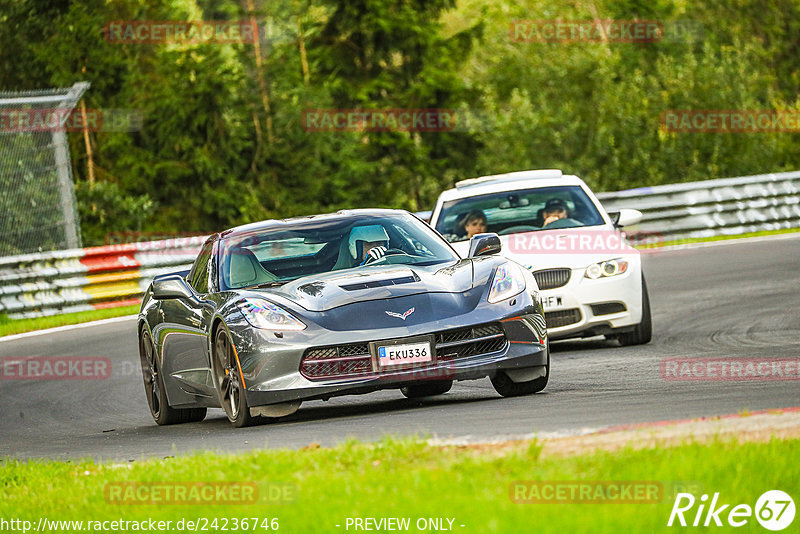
354 360
471 349
606 308
488 330
353 350
454 335
471 341
322 368
340 351
558 318
552 278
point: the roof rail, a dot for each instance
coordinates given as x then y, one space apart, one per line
511 176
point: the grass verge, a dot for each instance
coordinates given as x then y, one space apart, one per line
678 242
406 478
18 326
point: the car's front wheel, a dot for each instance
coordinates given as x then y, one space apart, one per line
428 389
644 330
162 412
228 379
507 387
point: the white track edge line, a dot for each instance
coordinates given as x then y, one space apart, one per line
68 327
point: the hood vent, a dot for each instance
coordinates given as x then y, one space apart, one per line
381 283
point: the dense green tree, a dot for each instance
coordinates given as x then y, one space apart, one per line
222 140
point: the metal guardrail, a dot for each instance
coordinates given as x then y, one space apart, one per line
65 281
84 279
724 207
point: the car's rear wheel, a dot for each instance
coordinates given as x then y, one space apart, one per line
228 379
643 332
428 389
162 412
506 387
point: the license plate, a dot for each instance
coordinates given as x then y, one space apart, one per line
551 302
390 355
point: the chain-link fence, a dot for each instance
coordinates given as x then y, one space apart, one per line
37 197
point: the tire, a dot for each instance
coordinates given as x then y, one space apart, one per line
162 412
643 332
508 388
428 389
228 382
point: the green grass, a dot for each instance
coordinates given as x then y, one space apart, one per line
718 238
18 326
408 478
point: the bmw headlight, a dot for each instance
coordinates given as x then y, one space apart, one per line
605 269
264 314
509 280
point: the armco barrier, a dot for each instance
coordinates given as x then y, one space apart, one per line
729 206
65 281
84 279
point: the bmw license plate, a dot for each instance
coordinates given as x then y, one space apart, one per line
552 302
403 353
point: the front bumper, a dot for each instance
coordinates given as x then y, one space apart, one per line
271 365
585 307
514 356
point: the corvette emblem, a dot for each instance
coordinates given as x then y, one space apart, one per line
400 315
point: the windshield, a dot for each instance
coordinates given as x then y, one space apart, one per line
274 256
512 212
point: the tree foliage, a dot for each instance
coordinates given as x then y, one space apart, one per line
222 140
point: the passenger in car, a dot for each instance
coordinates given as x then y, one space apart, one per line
554 209
474 222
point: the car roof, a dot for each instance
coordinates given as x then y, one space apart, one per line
292 221
511 181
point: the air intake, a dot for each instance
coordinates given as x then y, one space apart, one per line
380 283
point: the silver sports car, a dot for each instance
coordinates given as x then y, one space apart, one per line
278 312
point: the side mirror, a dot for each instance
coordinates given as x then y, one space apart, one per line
484 244
424 215
171 287
626 217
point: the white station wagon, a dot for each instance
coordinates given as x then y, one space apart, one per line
590 279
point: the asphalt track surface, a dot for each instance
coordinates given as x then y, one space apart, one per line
730 301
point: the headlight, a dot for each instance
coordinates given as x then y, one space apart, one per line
264 314
606 268
509 281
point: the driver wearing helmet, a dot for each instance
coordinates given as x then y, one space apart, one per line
368 243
